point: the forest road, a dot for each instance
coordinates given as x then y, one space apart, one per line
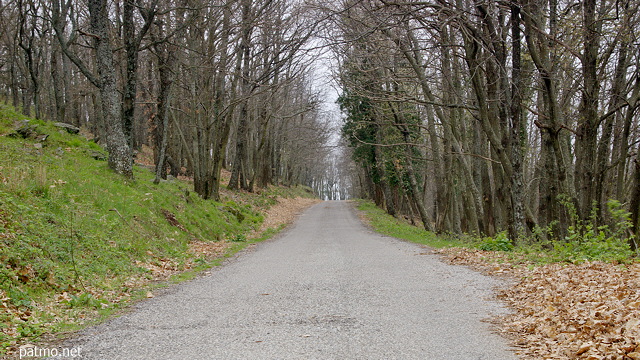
327 288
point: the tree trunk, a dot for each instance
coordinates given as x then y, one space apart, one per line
120 156
587 132
166 60
635 205
131 68
518 132
58 84
238 177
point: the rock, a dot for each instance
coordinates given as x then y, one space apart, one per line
37 145
25 130
98 156
70 128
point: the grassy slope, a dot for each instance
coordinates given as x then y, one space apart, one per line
388 225
77 241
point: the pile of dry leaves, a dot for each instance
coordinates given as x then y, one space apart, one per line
285 211
566 311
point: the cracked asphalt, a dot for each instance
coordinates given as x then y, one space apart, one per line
327 288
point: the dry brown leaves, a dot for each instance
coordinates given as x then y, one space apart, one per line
9 310
145 156
565 311
161 268
208 249
285 211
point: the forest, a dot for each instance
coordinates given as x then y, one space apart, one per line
206 85
462 116
484 117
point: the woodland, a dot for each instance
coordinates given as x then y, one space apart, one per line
464 116
498 125
496 116
204 84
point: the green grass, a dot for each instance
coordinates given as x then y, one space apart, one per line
584 243
71 228
388 225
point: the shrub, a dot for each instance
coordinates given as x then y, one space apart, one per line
498 243
585 241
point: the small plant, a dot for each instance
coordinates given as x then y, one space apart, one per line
19 298
239 238
40 187
84 300
498 243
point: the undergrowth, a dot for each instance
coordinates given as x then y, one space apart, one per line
584 242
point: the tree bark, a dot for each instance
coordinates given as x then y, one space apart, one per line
518 134
587 132
635 205
238 176
120 156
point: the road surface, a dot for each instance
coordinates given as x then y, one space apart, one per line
328 288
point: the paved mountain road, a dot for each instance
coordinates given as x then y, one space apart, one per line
326 289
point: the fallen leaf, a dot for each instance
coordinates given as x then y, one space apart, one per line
584 348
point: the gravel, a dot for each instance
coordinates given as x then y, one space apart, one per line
328 288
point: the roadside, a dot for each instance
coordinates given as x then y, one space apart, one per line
79 243
564 311
589 310
167 272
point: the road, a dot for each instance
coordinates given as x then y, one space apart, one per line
328 288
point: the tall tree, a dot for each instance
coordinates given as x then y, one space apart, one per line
120 154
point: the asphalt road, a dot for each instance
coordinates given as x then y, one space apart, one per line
328 288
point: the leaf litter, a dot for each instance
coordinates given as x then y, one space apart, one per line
564 311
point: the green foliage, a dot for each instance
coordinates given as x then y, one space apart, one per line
388 225
239 238
585 241
500 242
85 300
359 128
371 121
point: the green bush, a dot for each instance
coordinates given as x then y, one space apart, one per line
498 243
586 241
